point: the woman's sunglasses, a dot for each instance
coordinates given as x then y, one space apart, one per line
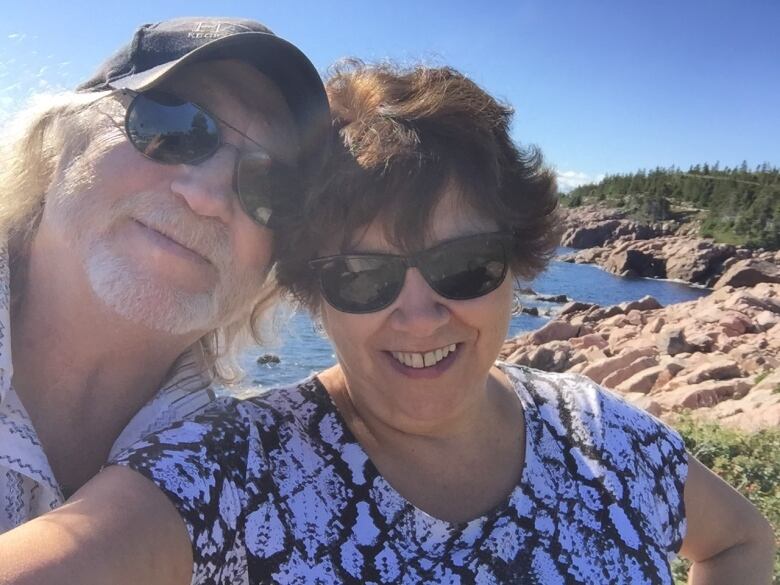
459 269
170 130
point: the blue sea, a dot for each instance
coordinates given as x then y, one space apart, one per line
302 350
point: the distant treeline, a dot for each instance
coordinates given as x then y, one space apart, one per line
739 205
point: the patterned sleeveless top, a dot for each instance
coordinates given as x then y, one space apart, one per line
275 489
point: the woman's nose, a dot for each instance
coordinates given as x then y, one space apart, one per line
418 310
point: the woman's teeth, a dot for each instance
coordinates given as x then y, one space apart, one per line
423 360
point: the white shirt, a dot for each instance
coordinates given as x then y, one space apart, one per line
27 485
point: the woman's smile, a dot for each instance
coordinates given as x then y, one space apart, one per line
430 364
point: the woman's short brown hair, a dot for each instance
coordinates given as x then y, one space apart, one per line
405 137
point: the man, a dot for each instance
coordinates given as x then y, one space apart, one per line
136 213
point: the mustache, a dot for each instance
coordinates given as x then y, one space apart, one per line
207 237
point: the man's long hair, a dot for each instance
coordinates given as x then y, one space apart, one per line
45 141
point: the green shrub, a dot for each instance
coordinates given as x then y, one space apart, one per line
749 462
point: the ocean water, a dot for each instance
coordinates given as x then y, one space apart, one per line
302 350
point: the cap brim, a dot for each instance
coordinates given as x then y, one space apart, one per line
280 60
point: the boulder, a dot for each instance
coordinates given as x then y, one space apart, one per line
590 235
641 381
765 320
759 409
671 341
589 340
554 331
618 376
750 272
633 262
704 394
670 369
619 337
611 311
593 354
553 298
575 307
654 326
646 303
615 321
597 371
587 256
734 324
551 357
718 369
695 260
700 342
744 300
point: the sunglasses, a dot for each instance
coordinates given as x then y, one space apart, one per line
459 269
173 131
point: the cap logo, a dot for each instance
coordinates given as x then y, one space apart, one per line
215 30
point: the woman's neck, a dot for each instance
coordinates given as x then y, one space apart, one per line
455 474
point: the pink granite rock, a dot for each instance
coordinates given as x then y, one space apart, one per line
597 371
641 381
673 355
704 394
589 340
644 402
554 330
671 341
720 368
612 380
749 273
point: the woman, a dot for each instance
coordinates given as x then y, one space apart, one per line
417 458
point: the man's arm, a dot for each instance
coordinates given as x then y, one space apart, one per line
119 529
727 538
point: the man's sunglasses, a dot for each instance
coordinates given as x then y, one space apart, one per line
458 269
170 130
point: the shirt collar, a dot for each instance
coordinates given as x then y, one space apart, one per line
6 369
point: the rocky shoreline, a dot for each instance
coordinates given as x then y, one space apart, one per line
717 357
606 237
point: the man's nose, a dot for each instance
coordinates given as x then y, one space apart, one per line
418 310
207 187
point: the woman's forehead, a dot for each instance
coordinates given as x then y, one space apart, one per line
450 218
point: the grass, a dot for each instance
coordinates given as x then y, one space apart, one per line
749 462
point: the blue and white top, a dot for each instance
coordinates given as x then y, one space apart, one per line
275 489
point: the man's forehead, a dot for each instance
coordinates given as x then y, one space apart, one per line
233 79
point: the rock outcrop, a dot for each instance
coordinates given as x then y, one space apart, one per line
663 250
718 356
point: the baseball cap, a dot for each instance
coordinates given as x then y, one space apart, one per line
158 50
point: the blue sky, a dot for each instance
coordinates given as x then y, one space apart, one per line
602 86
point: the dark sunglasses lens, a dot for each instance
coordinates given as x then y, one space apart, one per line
265 186
466 268
361 284
169 130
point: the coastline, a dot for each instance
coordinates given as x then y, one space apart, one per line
717 358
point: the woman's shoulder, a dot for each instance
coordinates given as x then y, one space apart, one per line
265 415
579 409
298 401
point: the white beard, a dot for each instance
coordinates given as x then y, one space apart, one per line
147 301
153 301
